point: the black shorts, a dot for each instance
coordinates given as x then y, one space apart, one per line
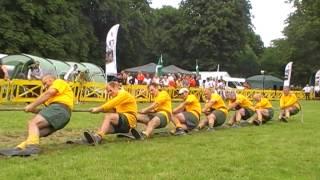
123 124
247 113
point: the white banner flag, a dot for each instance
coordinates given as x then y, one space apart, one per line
287 74
111 45
317 78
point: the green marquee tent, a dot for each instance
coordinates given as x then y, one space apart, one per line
270 82
175 69
147 68
151 68
18 65
95 72
61 67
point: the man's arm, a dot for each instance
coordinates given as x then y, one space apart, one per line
149 108
5 70
109 105
179 108
208 105
29 74
233 105
51 92
40 74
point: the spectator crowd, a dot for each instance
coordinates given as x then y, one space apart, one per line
169 80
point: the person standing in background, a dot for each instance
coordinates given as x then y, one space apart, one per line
3 72
35 71
307 90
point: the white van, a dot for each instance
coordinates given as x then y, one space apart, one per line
231 82
234 82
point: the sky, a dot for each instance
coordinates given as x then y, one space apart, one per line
268 16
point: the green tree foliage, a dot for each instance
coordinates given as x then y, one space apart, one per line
134 17
215 31
52 28
275 58
303 33
212 31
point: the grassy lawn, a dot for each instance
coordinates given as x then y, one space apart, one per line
273 151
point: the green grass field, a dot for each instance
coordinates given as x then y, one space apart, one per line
273 151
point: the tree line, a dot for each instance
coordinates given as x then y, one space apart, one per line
210 31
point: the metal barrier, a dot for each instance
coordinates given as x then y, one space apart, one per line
25 90
140 92
4 90
28 90
92 92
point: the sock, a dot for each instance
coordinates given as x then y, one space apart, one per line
22 145
33 139
177 123
101 134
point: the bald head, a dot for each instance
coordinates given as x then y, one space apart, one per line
257 97
113 88
286 90
207 92
47 80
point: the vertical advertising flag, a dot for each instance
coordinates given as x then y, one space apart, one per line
159 67
287 74
317 78
111 45
197 67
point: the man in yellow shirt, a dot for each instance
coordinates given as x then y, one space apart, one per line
264 110
158 114
58 99
243 107
120 117
289 105
186 116
215 110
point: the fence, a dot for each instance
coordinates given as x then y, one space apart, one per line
27 91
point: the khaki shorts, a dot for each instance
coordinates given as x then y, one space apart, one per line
57 115
162 117
220 118
192 120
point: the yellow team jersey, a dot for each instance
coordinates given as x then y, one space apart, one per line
164 103
219 103
64 95
289 100
264 103
193 105
243 102
124 103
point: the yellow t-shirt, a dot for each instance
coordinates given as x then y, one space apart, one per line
164 103
64 95
289 100
193 105
219 103
124 103
243 102
264 103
